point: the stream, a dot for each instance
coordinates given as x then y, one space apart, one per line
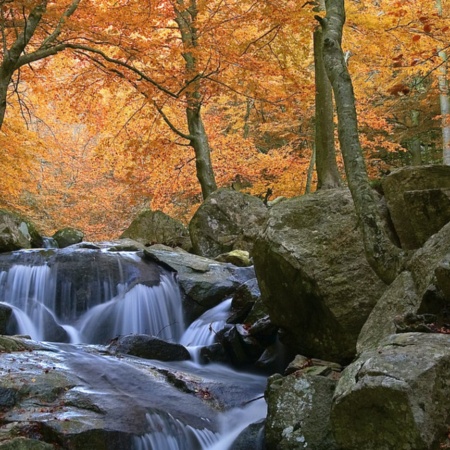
75 301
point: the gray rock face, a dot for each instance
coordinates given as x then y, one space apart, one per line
418 199
395 397
156 227
68 236
17 232
313 274
150 347
423 288
298 414
227 220
5 314
204 282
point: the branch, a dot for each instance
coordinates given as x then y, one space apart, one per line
39 54
123 64
171 125
69 11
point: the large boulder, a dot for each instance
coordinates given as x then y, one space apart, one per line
68 236
314 276
418 199
156 227
395 397
423 288
298 415
17 233
227 220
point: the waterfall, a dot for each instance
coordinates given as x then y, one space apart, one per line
92 296
112 302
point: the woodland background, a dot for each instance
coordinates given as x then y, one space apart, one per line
93 131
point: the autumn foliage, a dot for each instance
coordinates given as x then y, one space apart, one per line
94 133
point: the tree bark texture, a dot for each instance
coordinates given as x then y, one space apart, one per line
327 171
186 20
385 258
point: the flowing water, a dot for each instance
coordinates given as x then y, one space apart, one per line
54 300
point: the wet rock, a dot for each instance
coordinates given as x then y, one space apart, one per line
243 300
68 236
251 438
150 347
227 220
205 283
156 227
5 315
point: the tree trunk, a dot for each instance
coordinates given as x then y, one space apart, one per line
413 144
199 142
327 170
186 21
444 101
386 259
312 163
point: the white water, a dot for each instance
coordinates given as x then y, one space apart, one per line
31 292
203 331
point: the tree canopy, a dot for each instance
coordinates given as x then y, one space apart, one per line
109 106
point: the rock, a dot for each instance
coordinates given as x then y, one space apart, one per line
21 443
156 227
298 413
314 366
68 236
243 300
395 397
421 289
240 258
17 233
314 278
5 315
83 398
243 349
149 347
204 282
251 438
422 191
399 299
227 220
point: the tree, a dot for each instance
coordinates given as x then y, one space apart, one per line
385 258
327 171
20 22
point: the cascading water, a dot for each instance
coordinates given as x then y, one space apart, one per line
111 294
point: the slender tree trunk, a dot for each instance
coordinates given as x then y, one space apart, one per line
386 259
414 146
327 170
444 100
312 163
186 21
